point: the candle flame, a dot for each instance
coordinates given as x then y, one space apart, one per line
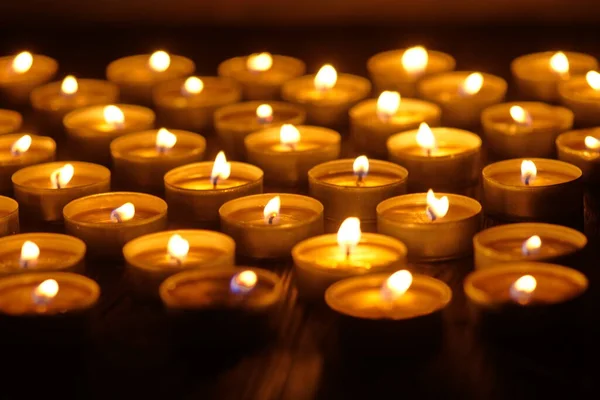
425 138
326 78
472 84
69 85
45 291
30 252
22 62
591 143
193 85
532 245
62 176
289 135
159 61
123 213
113 115
388 104
221 168
361 166
559 63
522 289
271 211
396 285
259 62
21 145
165 140
520 115
243 282
349 235
178 248
528 171
436 208
264 113
593 79
415 59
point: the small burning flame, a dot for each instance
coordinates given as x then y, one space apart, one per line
414 60
30 252
361 169
388 104
528 171
22 62
114 116
221 169
271 211
471 85
165 140
289 136
559 63
62 176
593 79
520 115
45 291
69 85
159 61
21 145
326 78
396 285
243 282
591 143
264 114
436 208
123 213
348 235
192 86
259 62
426 139
531 245
178 248
522 289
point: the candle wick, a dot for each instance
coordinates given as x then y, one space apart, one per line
265 120
214 181
115 215
177 260
360 176
526 180
428 152
24 264
430 214
271 218
16 152
292 146
347 253
161 149
57 180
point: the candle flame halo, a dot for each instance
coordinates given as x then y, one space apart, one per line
178 248
289 135
520 116
396 285
193 85
221 168
69 85
62 176
22 62
326 78
528 171
123 213
243 282
559 63
415 60
426 138
264 113
436 207
593 79
472 84
113 115
45 291
388 104
522 289
165 140
159 61
21 145
259 62
532 245
348 235
591 143
30 252
271 210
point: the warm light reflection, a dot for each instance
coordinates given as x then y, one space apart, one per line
69 85
396 285
349 235
221 169
160 61
21 145
62 176
559 63
123 213
593 79
532 245
528 171
165 140
289 135
591 143
522 289
388 104
259 62
192 85
326 78
415 59
436 208
271 210
30 252
22 62
113 115
520 116
178 248
472 84
243 282
45 291
264 113
425 138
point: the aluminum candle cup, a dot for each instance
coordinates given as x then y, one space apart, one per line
463 95
344 193
9 216
582 95
137 75
263 234
141 160
400 70
572 149
236 121
371 127
451 164
105 222
443 237
153 258
22 73
41 199
287 163
10 121
262 75
18 151
190 103
90 130
527 242
530 133
537 75
194 200
41 252
555 195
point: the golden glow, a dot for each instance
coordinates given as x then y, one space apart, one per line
244 281
178 247
361 166
21 145
264 113
415 59
396 285
349 235
289 135
520 115
165 140
160 61
69 85
221 168
532 245
522 289
436 208
123 213
559 63
45 291
425 138
62 176
22 62
388 104
113 115
259 62
528 171
593 79
326 78
193 85
30 252
591 143
472 84
271 211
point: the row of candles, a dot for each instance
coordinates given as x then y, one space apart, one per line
284 152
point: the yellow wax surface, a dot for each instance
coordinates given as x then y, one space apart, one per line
152 152
48 259
206 183
401 118
208 293
102 216
45 183
550 247
298 147
416 214
18 299
273 75
337 94
59 101
104 127
509 126
443 150
348 179
249 118
6 157
287 215
159 259
365 255
447 95
579 145
543 178
588 93
209 95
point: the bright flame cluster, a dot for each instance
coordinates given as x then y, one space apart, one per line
221 169
69 85
425 138
113 115
289 136
271 210
30 252
520 115
528 171
559 63
243 282
192 85
165 140
436 207
326 78
388 104
123 213
22 62
472 84
159 61
45 291
532 245
522 289
178 248
396 285
259 62
264 113
62 176
349 235
21 145
415 59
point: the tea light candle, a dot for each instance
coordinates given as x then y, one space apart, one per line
287 153
10 121
355 187
43 190
51 102
323 260
91 129
524 129
434 228
326 96
537 75
527 242
581 148
372 121
536 190
234 122
442 159
105 222
39 252
195 192
261 75
582 95
20 74
137 75
190 103
20 150
269 225
463 95
9 216
153 258
141 160
400 70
